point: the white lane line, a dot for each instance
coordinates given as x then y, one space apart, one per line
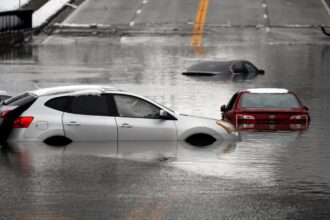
265 16
71 5
139 11
327 8
264 5
80 8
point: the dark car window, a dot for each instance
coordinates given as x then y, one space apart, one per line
58 103
250 100
130 106
239 68
251 70
231 103
89 105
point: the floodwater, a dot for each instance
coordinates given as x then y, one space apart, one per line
265 175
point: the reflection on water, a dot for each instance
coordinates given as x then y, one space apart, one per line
23 54
132 150
266 159
271 164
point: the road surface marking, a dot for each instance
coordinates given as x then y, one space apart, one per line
326 6
71 5
266 16
80 8
139 10
199 24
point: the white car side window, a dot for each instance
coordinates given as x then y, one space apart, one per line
129 106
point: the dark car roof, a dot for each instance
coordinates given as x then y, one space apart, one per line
212 66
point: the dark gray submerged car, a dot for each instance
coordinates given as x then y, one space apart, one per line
234 69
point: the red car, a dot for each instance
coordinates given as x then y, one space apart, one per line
266 109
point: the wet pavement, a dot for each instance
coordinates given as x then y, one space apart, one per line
265 175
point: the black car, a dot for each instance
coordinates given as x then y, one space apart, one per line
233 69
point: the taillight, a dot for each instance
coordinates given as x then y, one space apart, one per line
299 117
245 117
23 122
4 113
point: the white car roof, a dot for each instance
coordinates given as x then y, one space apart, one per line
77 90
268 90
74 90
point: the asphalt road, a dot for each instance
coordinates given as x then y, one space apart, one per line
225 12
272 175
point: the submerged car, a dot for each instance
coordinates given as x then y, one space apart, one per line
266 109
100 113
233 69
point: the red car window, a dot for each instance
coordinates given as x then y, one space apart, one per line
254 100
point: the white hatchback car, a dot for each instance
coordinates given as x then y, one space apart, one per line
100 113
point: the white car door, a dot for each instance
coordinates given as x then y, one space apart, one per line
87 118
139 120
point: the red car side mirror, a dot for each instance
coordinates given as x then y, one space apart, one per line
223 108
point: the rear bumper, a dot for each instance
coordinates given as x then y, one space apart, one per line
282 126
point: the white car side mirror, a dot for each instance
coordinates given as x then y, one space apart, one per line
163 113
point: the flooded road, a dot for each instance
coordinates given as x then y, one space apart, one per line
272 175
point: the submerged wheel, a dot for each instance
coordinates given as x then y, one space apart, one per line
200 139
57 141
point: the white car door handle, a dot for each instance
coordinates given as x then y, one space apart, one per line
125 125
72 123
